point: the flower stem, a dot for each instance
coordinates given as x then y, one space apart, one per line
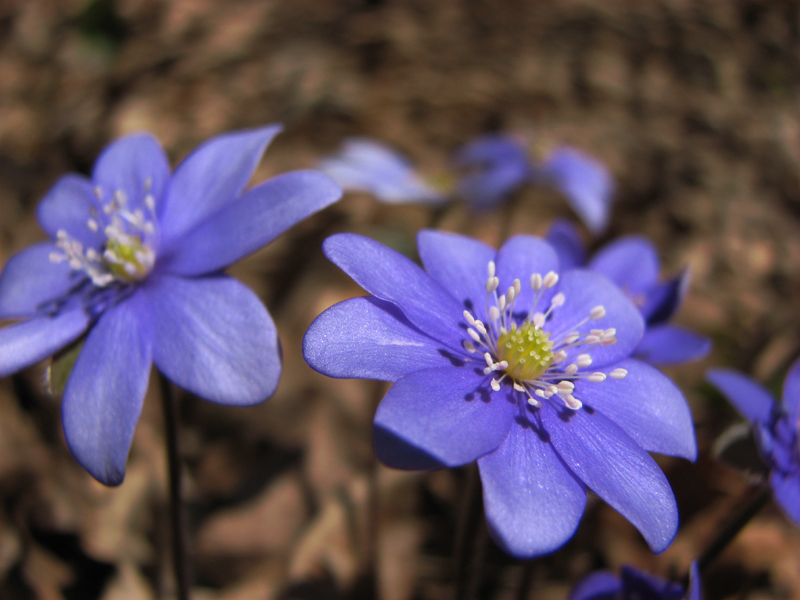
177 508
747 508
469 544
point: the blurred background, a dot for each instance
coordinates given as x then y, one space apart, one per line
692 105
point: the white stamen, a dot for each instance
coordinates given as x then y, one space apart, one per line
92 225
474 335
469 318
583 360
571 369
572 402
469 347
494 312
597 377
550 280
536 282
495 385
565 386
598 312
558 300
491 269
618 373
492 283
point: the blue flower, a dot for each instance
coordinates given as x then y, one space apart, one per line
633 584
776 427
498 165
632 263
504 378
495 166
135 263
368 165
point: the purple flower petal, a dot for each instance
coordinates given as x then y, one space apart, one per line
639 584
390 276
750 398
134 165
662 301
791 393
694 592
214 338
585 183
786 488
670 344
29 342
67 206
371 166
458 263
30 279
566 240
612 464
498 165
250 222
533 502
647 406
602 585
367 338
630 262
105 391
210 177
583 291
519 258
448 413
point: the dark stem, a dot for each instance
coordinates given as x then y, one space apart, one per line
526 579
747 508
469 546
177 508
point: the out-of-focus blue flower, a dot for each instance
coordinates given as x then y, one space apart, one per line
494 167
367 165
533 382
633 584
632 263
135 263
776 428
584 182
497 165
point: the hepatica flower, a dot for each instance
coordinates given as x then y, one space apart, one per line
497 358
633 584
368 165
632 263
497 165
133 272
776 428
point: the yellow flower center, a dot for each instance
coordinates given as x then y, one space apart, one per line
527 350
127 261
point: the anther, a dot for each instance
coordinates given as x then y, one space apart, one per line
491 269
474 335
536 282
583 360
495 385
469 318
558 300
618 373
492 283
550 280
597 377
598 312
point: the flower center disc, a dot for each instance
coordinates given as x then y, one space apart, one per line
527 350
129 261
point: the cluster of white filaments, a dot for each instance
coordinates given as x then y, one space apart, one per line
127 255
536 365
